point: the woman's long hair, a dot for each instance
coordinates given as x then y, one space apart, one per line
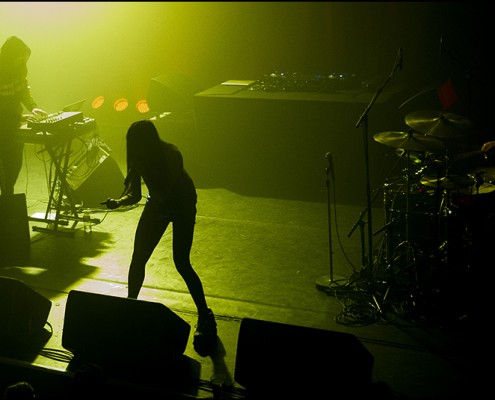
11 50
14 47
144 148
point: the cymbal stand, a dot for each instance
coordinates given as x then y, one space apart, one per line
444 213
359 222
363 122
408 193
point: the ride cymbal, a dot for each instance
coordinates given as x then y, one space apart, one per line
438 124
409 141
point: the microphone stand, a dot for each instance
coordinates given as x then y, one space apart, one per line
363 121
329 281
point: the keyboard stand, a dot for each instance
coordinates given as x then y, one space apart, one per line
61 214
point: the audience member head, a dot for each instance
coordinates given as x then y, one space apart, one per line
20 391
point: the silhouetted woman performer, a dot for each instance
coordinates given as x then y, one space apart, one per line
15 93
171 199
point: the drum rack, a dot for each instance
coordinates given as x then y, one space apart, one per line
425 230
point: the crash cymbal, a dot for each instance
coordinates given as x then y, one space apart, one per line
448 182
438 124
409 141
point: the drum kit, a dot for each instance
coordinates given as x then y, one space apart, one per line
426 209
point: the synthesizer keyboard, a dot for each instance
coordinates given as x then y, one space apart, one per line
48 136
56 121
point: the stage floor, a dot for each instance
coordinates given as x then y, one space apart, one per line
262 259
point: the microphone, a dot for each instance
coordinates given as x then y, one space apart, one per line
330 164
400 58
440 52
112 204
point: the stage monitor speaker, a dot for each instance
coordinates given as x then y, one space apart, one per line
116 330
23 311
15 240
275 358
104 179
172 92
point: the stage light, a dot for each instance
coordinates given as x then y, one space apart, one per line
120 104
97 102
142 106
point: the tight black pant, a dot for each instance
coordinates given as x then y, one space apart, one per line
11 156
151 226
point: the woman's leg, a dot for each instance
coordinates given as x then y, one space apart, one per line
183 232
149 231
11 157
205 335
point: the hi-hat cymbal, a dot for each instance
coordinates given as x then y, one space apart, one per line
438 124
409 141
448 182
484 188
487 174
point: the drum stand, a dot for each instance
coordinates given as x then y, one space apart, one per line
422 278
406 242
401 259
